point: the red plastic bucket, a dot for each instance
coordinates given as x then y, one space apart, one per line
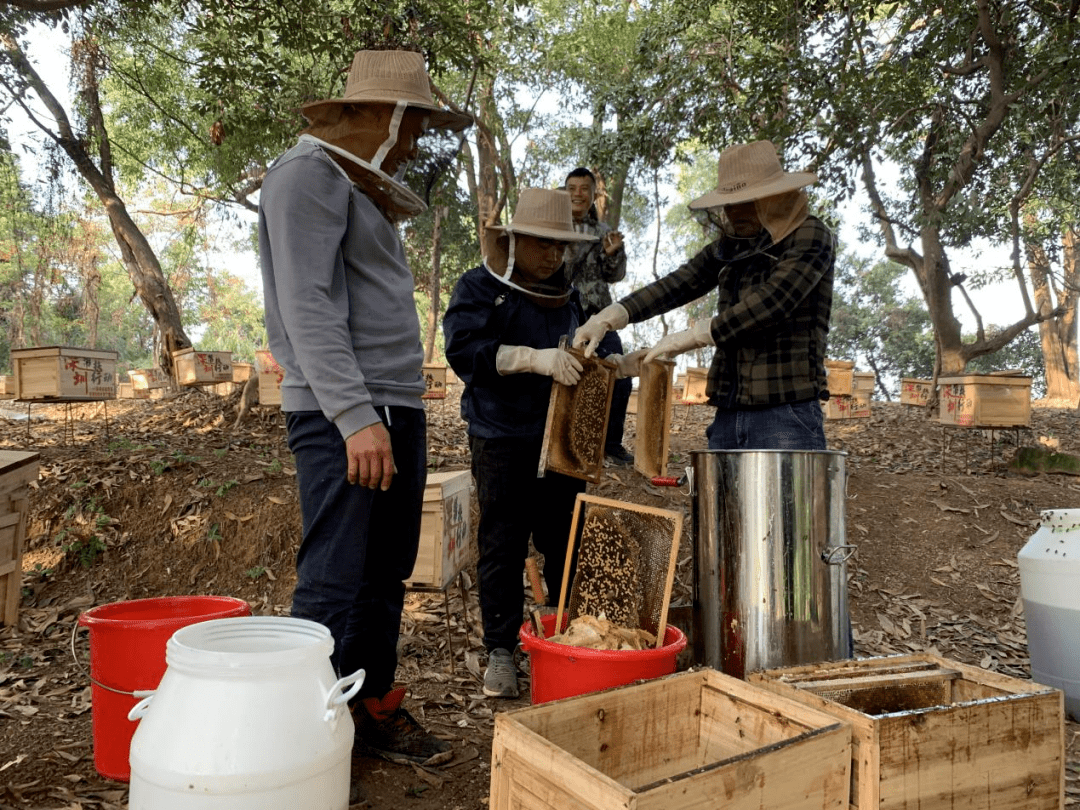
127 654
559 670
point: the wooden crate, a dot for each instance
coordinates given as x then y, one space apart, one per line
149 383
444 530
17 470
864 381
435 382
915 392
125 391
855 406
202 368
7 386
577 421
697 379
985 401
840 377
64 373
692 740
270 377
241 372
932 734
652 436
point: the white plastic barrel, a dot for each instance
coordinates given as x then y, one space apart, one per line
248 716
1050 586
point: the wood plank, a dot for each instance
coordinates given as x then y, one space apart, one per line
652 436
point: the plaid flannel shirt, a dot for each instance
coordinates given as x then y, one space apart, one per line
772 315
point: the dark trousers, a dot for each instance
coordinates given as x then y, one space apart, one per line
359 545
620 397
514 503
799 426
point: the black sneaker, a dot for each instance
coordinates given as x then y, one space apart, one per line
385 728
620 456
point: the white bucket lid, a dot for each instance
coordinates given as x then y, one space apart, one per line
249 643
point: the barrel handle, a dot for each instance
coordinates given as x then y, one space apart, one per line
139 710
829 555
337 698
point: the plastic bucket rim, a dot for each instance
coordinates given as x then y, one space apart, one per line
674 642
182 648
98 616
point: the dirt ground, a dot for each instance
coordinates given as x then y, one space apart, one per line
154 498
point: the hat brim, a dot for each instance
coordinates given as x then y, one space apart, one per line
439 118
545 233
784 183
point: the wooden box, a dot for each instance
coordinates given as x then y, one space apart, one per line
241 372
915 392
125 391
985 400
855 406
840 377
270 377
692 740
577 421
697 380
149 383
652 436
64 373
444 530
7 386
202 368
17 470
932 734
864 381
435 382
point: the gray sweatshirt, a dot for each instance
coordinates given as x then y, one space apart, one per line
338 293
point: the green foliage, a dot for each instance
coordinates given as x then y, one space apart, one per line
228 485
1023 353
255 572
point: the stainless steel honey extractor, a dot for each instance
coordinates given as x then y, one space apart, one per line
770 559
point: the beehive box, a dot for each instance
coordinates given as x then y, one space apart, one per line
202 368
149 383
577 421
840 377
652 436
7 386
697 379
692 740
985 400
444 530
125 391
434 382
915 392
270 377
241 372
855 406
17 470
932 734
864 381
64 373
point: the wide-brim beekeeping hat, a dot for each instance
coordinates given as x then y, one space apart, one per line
545 213
392 77
748 172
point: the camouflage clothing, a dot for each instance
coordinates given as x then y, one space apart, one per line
591 269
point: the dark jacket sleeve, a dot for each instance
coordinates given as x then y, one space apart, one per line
469 339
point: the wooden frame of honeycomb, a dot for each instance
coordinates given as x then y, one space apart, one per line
653 433
613 572
577 421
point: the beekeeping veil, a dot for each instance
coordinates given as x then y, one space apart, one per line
752 173
541 212
361 127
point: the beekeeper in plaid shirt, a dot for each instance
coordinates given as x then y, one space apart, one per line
773 269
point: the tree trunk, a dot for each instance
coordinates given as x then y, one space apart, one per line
91 307
435 287
139 259
1057 334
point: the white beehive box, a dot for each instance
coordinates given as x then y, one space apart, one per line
64 373
435 381
148 383
444 530
270 377
914 391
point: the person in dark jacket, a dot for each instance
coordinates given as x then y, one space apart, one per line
502 331
773 269
594 267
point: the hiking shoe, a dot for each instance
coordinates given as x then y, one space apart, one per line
385 728
500 677
620 456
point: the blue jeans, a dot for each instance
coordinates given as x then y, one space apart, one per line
798 426
620 397
359 545
514 503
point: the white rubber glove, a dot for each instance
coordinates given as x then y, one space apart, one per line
627 365
561 366
695 337
611 318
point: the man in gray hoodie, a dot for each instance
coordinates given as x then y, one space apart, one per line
343 325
